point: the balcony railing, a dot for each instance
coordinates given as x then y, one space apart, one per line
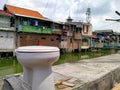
77 36
57 31
5 24
85 44
63 44
69 33
33 29
110 45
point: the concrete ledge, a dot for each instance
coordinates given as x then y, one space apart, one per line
104 83
101 73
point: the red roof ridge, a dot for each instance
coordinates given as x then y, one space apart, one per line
23 11
21 8
5 13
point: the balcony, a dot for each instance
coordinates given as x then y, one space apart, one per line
63 44
46 31
69 33
33 29
57 31
99 45
77 36
109 45
85 44
6 26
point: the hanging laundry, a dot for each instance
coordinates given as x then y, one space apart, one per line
35 23
24 22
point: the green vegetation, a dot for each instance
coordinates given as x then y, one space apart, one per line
74 57
9 66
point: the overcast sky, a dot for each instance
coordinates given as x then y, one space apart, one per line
59 10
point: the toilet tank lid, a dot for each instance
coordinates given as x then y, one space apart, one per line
37 49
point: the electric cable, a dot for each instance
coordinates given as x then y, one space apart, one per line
45 6
54 10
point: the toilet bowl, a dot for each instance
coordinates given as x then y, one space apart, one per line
37 62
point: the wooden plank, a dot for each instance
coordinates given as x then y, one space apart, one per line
117 87
68 84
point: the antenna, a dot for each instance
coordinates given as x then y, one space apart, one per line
88 15
69 19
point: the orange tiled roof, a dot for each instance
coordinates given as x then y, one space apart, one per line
23 12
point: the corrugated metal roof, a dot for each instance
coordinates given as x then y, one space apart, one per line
5 13
23 12
103 31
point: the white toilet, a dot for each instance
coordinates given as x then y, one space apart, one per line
37 61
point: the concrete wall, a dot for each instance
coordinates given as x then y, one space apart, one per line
7 41
104 83
27 39
4 21
87 29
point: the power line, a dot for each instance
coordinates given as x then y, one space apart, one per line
54 10
45 6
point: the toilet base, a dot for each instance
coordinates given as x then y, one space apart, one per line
39 78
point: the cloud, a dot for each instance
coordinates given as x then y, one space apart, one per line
2 2
60 9
102 9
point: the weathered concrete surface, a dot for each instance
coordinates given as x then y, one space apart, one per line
0 83
91 74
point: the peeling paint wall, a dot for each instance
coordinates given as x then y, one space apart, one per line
7 41
4 21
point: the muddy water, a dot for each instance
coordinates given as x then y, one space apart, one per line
10 66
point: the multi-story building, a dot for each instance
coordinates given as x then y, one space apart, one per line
7 33
72 36
32 28
76 36
85 34
67 41
106 38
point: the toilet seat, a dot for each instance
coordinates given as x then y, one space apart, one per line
37 49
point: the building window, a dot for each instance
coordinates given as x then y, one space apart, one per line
85 40
57 38
1 36
33 22
52 39
43 38
11 36
12 22
21 37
